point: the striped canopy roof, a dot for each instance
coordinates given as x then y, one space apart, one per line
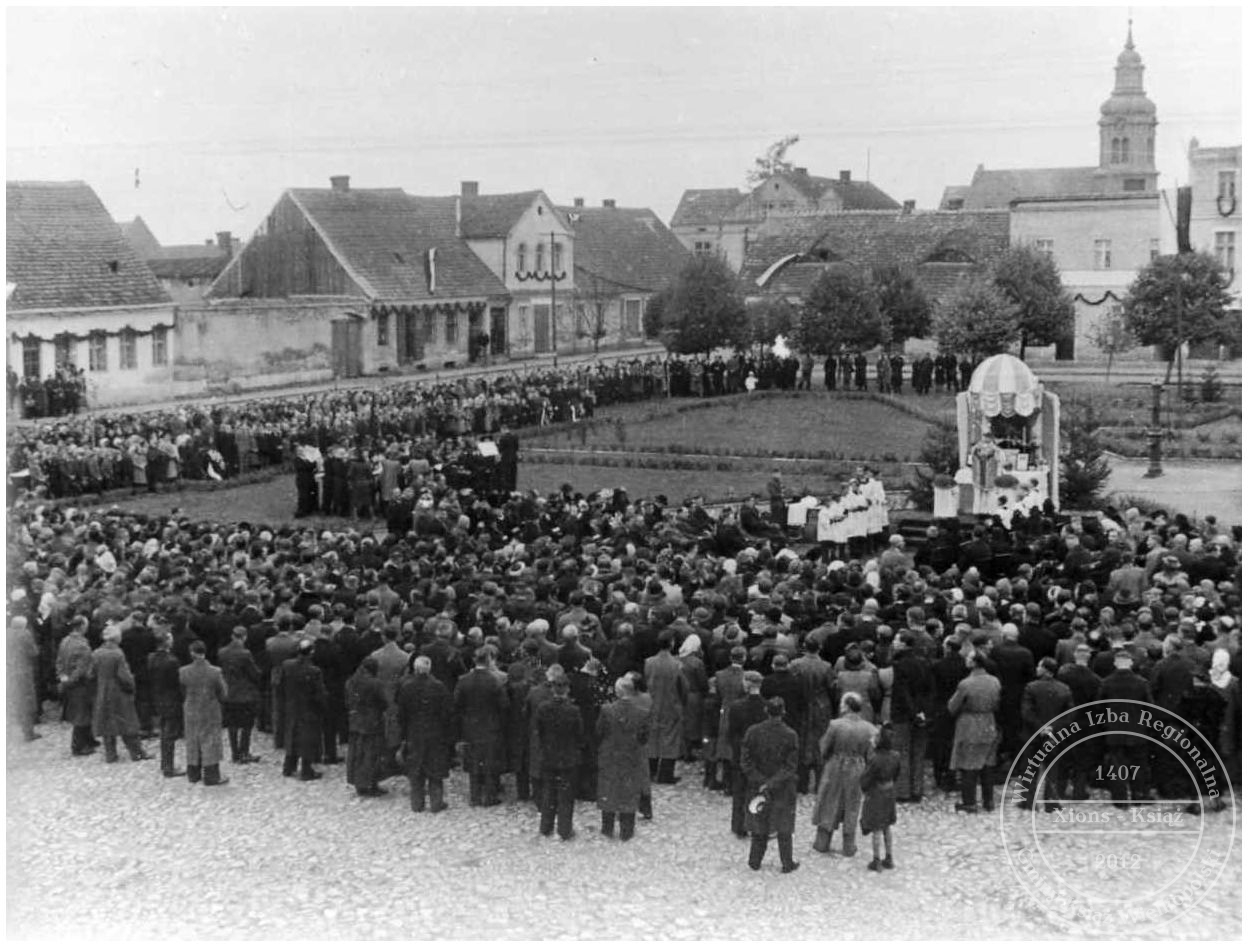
1004 385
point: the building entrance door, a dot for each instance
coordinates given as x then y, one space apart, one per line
541 329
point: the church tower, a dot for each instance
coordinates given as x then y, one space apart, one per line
1128 128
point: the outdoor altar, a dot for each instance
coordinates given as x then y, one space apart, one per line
1008 439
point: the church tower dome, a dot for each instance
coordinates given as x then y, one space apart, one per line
1128 127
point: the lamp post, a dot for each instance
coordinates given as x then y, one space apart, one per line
1154 433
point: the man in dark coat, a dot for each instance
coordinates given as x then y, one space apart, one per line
743 713
366 707
137 642
447 664
1015 670
426 717
769 764
560 731
166 694
242 695
621 731
1043 699
73 670
783 683
480 707
1125 752
912 712
302 691
515 727
280 648
1073 768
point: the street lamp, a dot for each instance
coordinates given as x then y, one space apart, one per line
1154 433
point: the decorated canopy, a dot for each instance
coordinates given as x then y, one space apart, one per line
1004 386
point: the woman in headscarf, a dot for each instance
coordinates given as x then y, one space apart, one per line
696 688
845 747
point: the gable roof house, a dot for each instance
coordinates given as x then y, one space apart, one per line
525 241
184 270
80 295
366 279
624 255
940 248
723 220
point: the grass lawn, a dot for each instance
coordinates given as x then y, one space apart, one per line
797 424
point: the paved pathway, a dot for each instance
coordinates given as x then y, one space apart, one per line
116 852
1191 487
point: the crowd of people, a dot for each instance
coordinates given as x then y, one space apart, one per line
63 392
151 451
581 646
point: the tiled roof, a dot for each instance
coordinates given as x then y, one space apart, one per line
952 193
140 237
706 206
853 195
867 239
383 235
179 263
64 251
493 215
995 189
625 246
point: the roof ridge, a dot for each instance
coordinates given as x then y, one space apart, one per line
360 281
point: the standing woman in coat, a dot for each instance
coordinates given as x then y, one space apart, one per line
203 692
975 736
622 730
845 747
73 670
366 708
696 689
114 715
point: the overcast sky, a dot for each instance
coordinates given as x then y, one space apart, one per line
221 109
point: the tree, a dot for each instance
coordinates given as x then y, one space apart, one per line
1177 300
594 296
977 321
902 304
1084 467
1030 280
772 161
841 309
768 318
941 455
1112 337
700 311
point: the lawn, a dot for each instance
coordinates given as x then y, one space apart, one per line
775 424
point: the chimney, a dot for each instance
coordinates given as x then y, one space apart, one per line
225 242
907 207
844 177
578 202
340 182
608 202
469 188
800 171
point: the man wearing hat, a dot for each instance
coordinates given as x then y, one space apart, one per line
743 713
114 714
769 766
301 689
204 690
560 731
1044 699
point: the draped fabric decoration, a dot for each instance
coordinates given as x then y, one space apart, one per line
85 336
1106 297
1003 386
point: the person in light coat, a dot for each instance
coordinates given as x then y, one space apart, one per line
974 707
846 747
665 683
623 730
113 714
203 693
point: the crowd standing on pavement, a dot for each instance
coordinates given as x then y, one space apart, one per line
63 392
584 646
